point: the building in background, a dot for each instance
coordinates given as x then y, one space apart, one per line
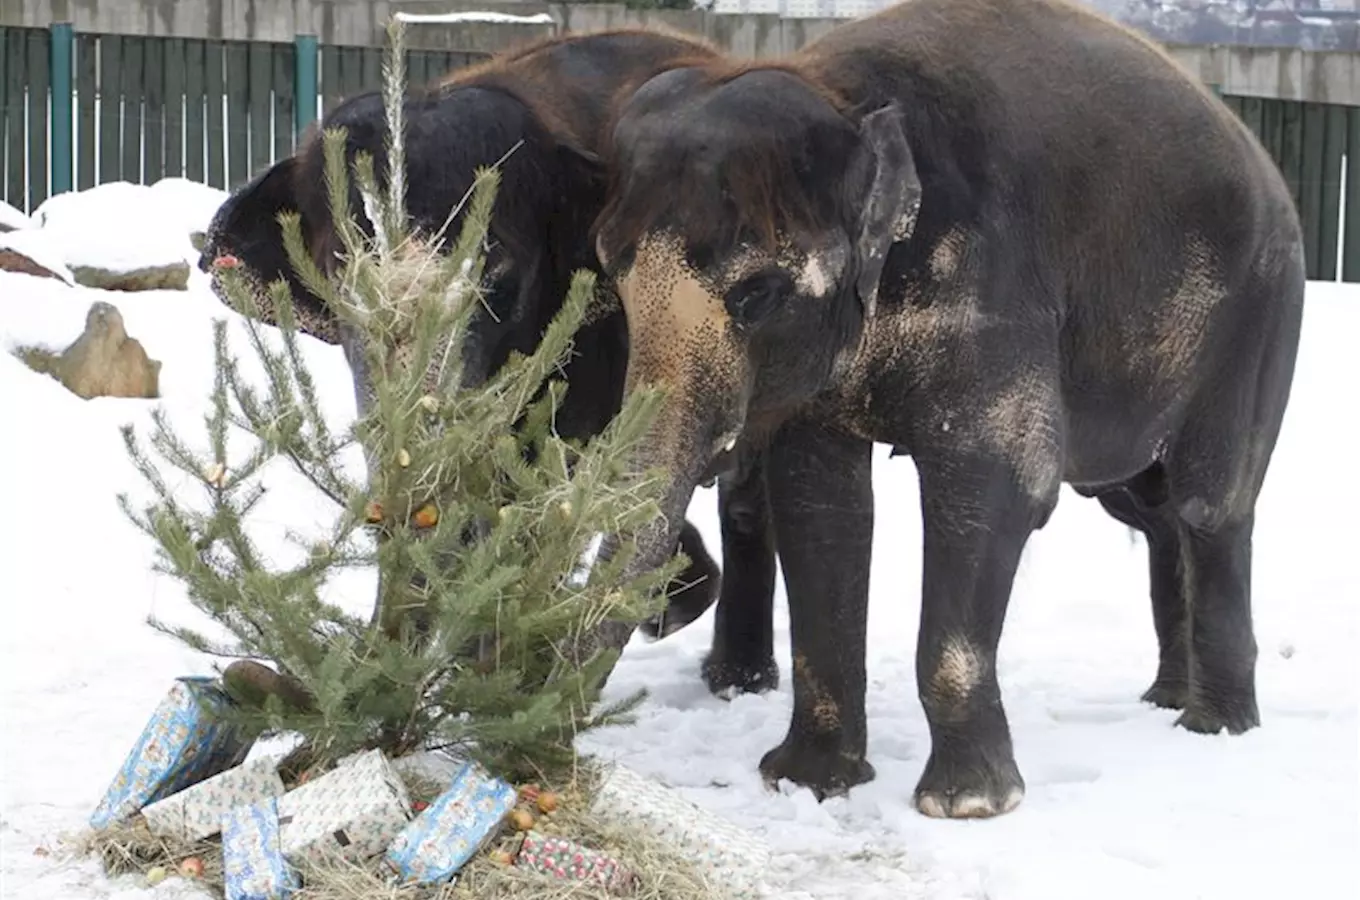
1307 24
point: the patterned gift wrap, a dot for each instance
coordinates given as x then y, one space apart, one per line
179 747
353 812
252 863
570 861
196 812
454 827
729 859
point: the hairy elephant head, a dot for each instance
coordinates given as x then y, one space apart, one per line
747 225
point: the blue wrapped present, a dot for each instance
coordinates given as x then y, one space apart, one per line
253 866
440 841
181 746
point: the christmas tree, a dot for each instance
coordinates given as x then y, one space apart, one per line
475 514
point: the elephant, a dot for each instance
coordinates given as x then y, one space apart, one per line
1012 240
540 113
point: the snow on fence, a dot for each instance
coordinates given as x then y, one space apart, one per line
144 108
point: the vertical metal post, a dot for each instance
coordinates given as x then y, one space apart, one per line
304 83
63 123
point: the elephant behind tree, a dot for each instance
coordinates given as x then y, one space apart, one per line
540 112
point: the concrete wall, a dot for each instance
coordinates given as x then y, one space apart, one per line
1291 74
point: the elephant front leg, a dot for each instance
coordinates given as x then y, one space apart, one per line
742 657
821 499
978 514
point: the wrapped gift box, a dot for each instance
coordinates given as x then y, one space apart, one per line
570 861
453 828
729 858
353 812
196 812
182 745
253 866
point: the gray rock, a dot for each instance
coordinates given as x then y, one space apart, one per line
169 277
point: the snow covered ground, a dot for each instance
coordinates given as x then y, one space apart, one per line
1119 803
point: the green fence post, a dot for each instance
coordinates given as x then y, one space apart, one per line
1217 89
59 61
304 83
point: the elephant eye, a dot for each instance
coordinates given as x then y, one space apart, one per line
756 296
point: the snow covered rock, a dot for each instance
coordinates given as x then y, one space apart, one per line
105 362
168 277
191 204
130 237
14 261
29 251
12 219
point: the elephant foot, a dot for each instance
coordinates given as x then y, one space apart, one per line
968 784
1167 694
1203 717
727 676
826 771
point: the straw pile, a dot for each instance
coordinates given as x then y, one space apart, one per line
661 873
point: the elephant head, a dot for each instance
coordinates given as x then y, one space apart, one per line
747 224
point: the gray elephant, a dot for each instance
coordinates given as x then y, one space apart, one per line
1014 240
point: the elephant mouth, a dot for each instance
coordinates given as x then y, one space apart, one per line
722 461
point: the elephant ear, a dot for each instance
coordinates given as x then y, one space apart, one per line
890 195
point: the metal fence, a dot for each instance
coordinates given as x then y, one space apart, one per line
78 110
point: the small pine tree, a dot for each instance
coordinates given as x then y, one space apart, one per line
483 623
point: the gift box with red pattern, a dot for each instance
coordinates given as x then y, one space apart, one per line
568 860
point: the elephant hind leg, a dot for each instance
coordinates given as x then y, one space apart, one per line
1141 504
1215 467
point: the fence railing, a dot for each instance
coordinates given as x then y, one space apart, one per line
78 110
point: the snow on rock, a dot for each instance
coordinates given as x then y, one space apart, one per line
189 203
12 219
32 251
129 237
1120 804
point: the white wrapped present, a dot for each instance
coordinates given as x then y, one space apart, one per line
353 812
196 812
730 859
